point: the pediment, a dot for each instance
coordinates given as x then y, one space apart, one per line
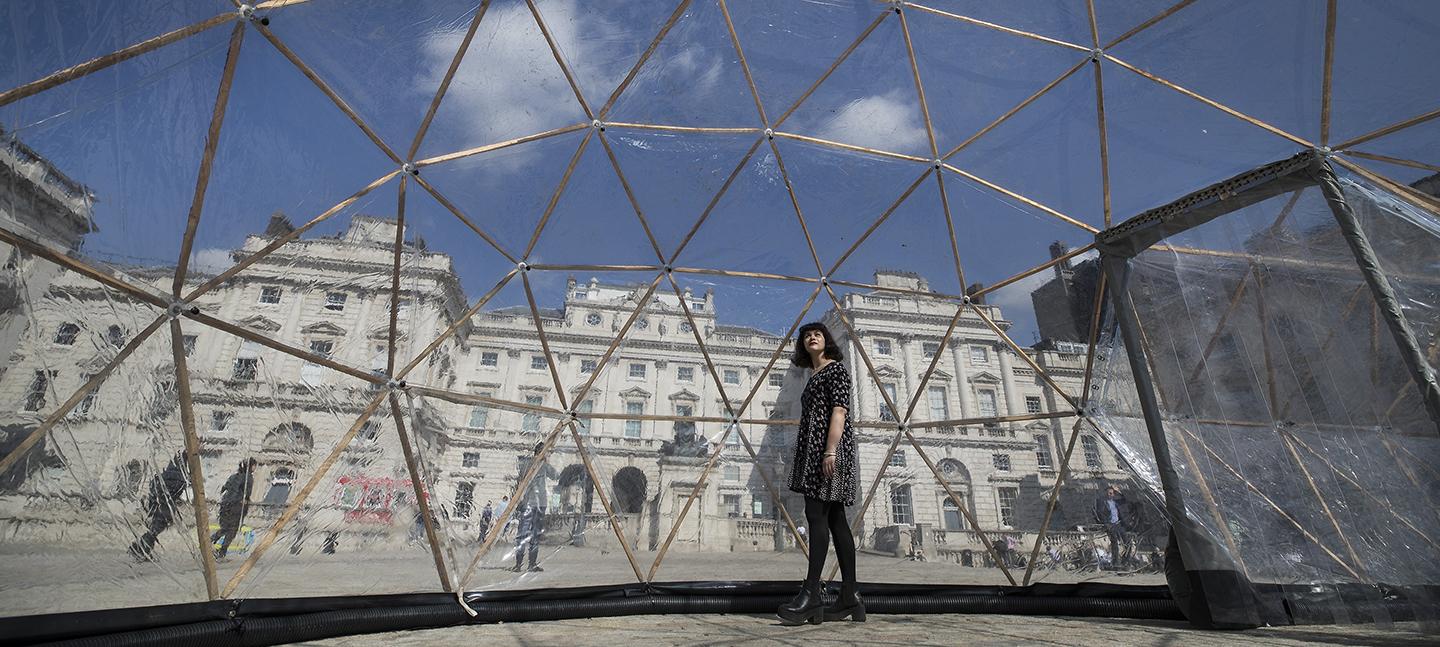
888 371
260 322
635 392
985 377
382 333
323 328
685 394
940 375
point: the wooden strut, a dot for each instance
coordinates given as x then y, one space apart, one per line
901 431
1375 134
1034 270
1383 505
630 196
447 79
605 501
417 484
1212 103
1328 74
559 190
104 277
1044 375
207 159
250 335
950 229
828 143
1148 23
1330 338
715 455
644 57
831 69
919 87
1394 160
549 442
192 458
293 508
1094 338
999 28
98 63
470 152
744 65
394 311
1094 24
282 240
1104 137
795 204
1415 197
1017 197
379 398
555 51
456 397
454 210
325 88
934 361
879 221
960 504
1018 107
70 403
558 267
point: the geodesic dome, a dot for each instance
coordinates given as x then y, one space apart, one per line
415 261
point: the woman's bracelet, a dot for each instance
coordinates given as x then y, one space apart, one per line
829 453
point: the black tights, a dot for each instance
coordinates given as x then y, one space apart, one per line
827 521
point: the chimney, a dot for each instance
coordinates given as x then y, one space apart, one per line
279 225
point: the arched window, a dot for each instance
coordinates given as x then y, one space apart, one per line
291 438
953 519
629 487
67 332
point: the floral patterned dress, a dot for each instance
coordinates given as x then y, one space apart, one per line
828 388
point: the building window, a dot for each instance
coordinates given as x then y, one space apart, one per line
587 366
731 503
270 294
245 369
900 505
479 415
731 376
335 301
592 319
953 519
490 359
684 410
579 295
1042 452
732 473
979 355
686 327
470 459
115 336
898 458
777 380
1007 496
939 403
537 362
220 420
632 427
35 395
642 323
698 306
369 432
1001 461
585 407
1032 404
882 347
464 499
885 413
637 371
684 373
531 422
322 347
930 348
188 343
67 332
987 403
1092 452
87 403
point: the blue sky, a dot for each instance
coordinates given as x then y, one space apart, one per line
135 132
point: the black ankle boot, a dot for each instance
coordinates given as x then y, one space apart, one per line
847 604
808 606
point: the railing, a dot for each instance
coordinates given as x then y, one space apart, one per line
759 533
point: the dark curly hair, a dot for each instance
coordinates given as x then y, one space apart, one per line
801 357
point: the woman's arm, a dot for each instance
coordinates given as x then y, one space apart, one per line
832 440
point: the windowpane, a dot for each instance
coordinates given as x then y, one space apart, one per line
1092 452
900 505
732 376
953 519
637 370
587 366
930 349
245 369
35 395
777 379
270 294
939 403
1007 496
188 343
882 347
632 427
1042 452
537 362
987 403
885 412
65 335
587 406
685 373
1032 404
732 473
1001 462
530 423
979 355
335 301
479 414
470 459
489 359
220 420
898 458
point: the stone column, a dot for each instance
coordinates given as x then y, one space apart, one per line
962 378
912 379
1007 378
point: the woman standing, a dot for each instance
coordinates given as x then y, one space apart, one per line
824 471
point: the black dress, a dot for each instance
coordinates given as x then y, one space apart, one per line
828 388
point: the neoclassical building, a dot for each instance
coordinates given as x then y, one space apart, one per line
331 296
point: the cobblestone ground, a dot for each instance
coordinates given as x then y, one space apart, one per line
978 630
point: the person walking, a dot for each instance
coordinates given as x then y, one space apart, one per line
823 470
159 506
1110 511
234 502
486 514
532 509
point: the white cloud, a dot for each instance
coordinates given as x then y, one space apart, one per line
509 84
210 260
885 121
1016 305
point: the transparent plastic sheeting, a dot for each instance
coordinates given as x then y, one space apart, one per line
1284 396
598 236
